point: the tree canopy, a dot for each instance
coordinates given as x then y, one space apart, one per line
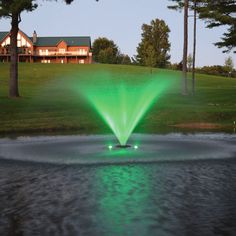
105 51
218 13
154 43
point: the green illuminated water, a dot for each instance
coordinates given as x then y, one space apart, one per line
122 100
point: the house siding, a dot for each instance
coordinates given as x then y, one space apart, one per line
61 52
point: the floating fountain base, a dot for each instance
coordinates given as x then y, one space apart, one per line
123 146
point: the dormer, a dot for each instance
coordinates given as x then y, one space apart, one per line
62 47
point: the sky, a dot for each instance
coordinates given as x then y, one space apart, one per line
121 21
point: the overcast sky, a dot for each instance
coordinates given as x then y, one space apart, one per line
121 21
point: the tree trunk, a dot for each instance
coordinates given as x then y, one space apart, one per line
13 83
194 46
185 51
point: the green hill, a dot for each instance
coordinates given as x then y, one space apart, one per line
49 104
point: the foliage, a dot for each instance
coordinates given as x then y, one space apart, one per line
229 65
216 70
123 59
190 62
107 56
218 13
105 51
8 7
176 66
155 37
149 56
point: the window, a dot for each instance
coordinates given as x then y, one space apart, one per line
82 51
62 50
81 61
43 52
45 61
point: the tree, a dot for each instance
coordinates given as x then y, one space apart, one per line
190 62
12 9
183 4
155 35
185 49
193 5
123 59
218 13
229 65
107 56
150 56
105 51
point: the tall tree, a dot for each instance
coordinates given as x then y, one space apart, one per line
195 4
12 9
105 51
192 4
185 49
155 35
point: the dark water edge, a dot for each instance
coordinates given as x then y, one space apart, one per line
162 130
164 199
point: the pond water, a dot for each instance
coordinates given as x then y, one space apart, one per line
74 185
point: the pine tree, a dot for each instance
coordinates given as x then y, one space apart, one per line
218 13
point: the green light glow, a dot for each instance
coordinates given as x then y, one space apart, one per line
122 188
110 147
135 147
122 100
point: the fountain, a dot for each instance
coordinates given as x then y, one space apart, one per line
122 102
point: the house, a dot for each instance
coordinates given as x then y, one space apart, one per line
47 49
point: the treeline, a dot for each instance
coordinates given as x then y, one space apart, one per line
226 70
106 51
152 51
209 70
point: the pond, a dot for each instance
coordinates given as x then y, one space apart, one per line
171 184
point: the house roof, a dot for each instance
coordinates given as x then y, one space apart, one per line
54 41
70 41
3 35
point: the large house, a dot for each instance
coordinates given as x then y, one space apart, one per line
47 49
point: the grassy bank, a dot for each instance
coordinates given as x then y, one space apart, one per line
48 104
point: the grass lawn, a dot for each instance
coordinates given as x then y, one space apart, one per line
49 104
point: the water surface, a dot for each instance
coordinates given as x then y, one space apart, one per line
191 195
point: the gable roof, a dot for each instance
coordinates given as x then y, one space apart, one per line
3 35
70 41
54 41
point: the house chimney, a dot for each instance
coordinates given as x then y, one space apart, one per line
34 37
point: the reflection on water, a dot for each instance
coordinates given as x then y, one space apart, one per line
164 199
123 193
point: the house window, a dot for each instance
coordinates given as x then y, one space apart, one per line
43 52
62 50
45 61
82 51
81 61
